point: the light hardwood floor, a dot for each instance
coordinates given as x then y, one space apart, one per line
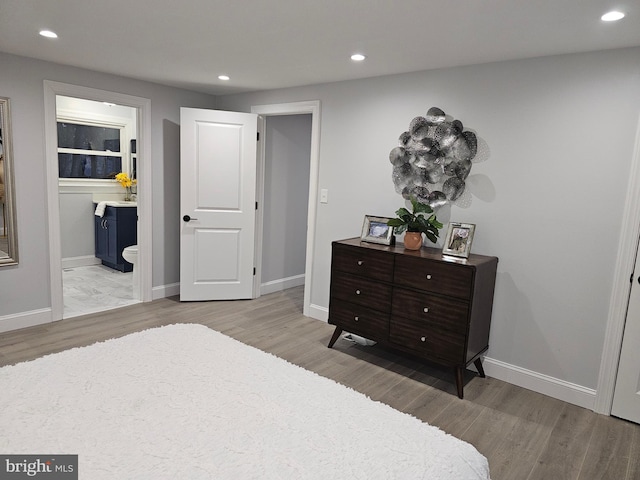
524 435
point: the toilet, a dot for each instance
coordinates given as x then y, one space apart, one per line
130 254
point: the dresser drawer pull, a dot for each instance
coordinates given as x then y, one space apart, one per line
357 292
423 339
428 276
356 318
360 262
425 309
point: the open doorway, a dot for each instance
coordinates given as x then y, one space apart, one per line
286 190
142 111
307 110
96 142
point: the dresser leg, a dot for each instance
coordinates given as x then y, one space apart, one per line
478 363
459 380
336 334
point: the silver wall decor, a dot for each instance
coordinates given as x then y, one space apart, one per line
433 159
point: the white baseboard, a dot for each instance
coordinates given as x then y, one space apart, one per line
538 382
17 321
318 312
20 320
164 291
281 284
84 261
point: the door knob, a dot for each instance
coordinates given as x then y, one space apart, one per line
187 218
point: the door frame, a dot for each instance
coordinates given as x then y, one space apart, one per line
616 318
295 108
143 107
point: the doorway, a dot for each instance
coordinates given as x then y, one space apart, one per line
266 112
96 141
626 397
286 182
619 303
142 109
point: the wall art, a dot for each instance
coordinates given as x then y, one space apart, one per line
433 159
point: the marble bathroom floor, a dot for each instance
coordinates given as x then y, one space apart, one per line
95 288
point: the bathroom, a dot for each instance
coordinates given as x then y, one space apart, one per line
98 227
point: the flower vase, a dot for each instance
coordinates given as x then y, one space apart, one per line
127 194
412 240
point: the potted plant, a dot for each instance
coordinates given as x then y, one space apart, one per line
415 224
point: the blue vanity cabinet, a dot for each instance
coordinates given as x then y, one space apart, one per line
114 231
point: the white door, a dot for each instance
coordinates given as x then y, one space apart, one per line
626 397
217 204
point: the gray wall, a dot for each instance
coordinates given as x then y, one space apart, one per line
77 225
286 193
25 287
547 201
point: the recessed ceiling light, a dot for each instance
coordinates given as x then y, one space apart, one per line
357 57
612 16
224 77
48 34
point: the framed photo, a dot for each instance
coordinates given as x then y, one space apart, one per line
376 230
459 238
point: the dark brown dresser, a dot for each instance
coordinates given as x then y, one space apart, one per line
420 302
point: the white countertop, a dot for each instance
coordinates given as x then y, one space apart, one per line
116 203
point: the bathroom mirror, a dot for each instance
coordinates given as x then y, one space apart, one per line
8 231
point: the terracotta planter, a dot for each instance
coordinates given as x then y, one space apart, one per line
413 240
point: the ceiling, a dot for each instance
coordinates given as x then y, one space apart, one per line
268 44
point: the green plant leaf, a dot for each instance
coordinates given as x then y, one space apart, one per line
421 208
401 212
416 221
431 237
434 221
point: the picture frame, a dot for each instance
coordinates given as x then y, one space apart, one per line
458 240
376 230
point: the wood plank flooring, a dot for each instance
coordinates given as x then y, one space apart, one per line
524 435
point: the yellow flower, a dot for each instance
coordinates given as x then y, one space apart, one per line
123 179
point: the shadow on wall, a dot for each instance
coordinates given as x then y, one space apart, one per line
478 184
481 186
171 199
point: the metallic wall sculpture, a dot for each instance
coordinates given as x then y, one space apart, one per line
433 159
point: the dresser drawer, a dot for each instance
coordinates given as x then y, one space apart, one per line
427 340
360 320
433 276
448 313
360 261
361 291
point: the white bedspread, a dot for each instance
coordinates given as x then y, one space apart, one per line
186 402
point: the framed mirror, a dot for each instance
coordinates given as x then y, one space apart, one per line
8 230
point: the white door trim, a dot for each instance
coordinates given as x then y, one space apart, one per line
143 106
627 246
295 108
